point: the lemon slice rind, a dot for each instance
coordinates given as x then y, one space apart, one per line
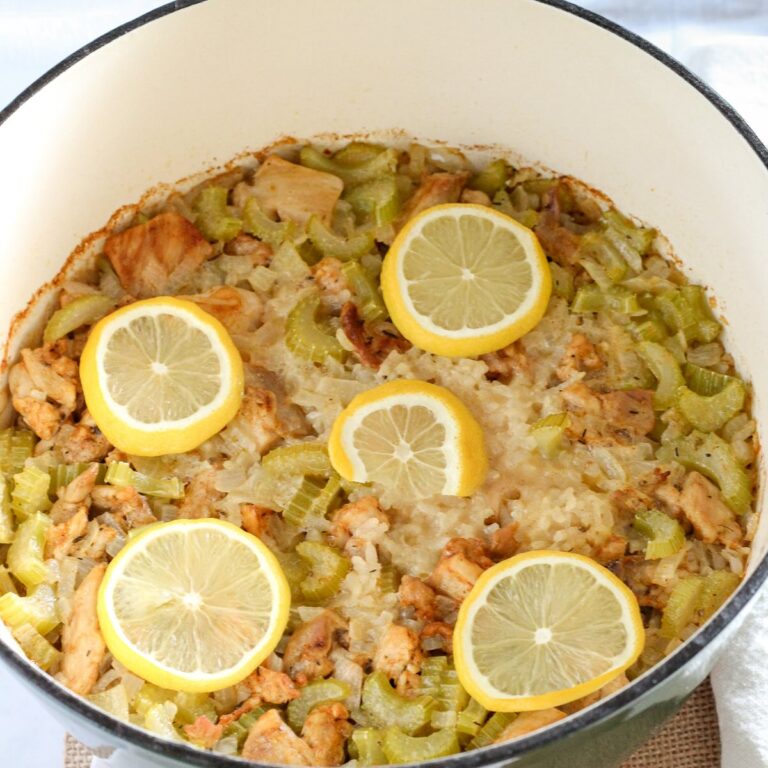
477 683
157 670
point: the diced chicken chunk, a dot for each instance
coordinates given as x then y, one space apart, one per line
580 356
81 641
237 310
504 541
712 519
157 257
435 189
271 741
203 732
460 566
61 537
414 593
255 518
325 732
623 416
75 496
127 505
371 344
199 496
81 443
307 653
294 192
558 242
399 656
528 722
355 518
508 363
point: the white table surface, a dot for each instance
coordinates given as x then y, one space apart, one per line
36 34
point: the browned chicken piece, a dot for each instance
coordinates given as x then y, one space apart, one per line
40 377
606 418
371 345
271 741
435 189
475 197
504 541
61 537
440 629
558 242
629 501
348 519
669 496
414 593
81 443
580 356
82 644
712 519
508 363
291 418
255 518
613 548
325 732
259 414
272 687
528 722
294 192
307 651
74 497
237 310
200 495
157 257
203 732
245 245
266 686
607 690
126 504
330 279
399 656
93 545
460 566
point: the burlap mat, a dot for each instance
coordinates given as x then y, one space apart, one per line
690 740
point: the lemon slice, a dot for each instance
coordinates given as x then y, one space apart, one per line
545 628
160 376
193 605
414 437
463 280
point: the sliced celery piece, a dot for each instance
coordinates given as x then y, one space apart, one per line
367 746
38 609
331 244
36 647
190 706
492 729
365 290
84 310
300 459
718 586
25 555
471 718
313 695
665 535
30 492
389 579
7 585
239 728
680 610
309 338
314 498
16 446
713 457
214 218
388 708
666 369
399 747
114 700
64 474
548 433
376 201
6 515
562 282
704 382
592 298
258 224
372 167
709 414
327 569
121 474
492 178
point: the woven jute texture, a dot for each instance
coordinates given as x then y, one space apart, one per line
690 740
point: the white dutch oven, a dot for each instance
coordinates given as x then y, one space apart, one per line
192 84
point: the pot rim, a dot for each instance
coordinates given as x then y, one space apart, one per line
475 758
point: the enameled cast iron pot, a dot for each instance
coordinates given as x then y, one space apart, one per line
193 83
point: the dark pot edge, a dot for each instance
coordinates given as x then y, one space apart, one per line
477 758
